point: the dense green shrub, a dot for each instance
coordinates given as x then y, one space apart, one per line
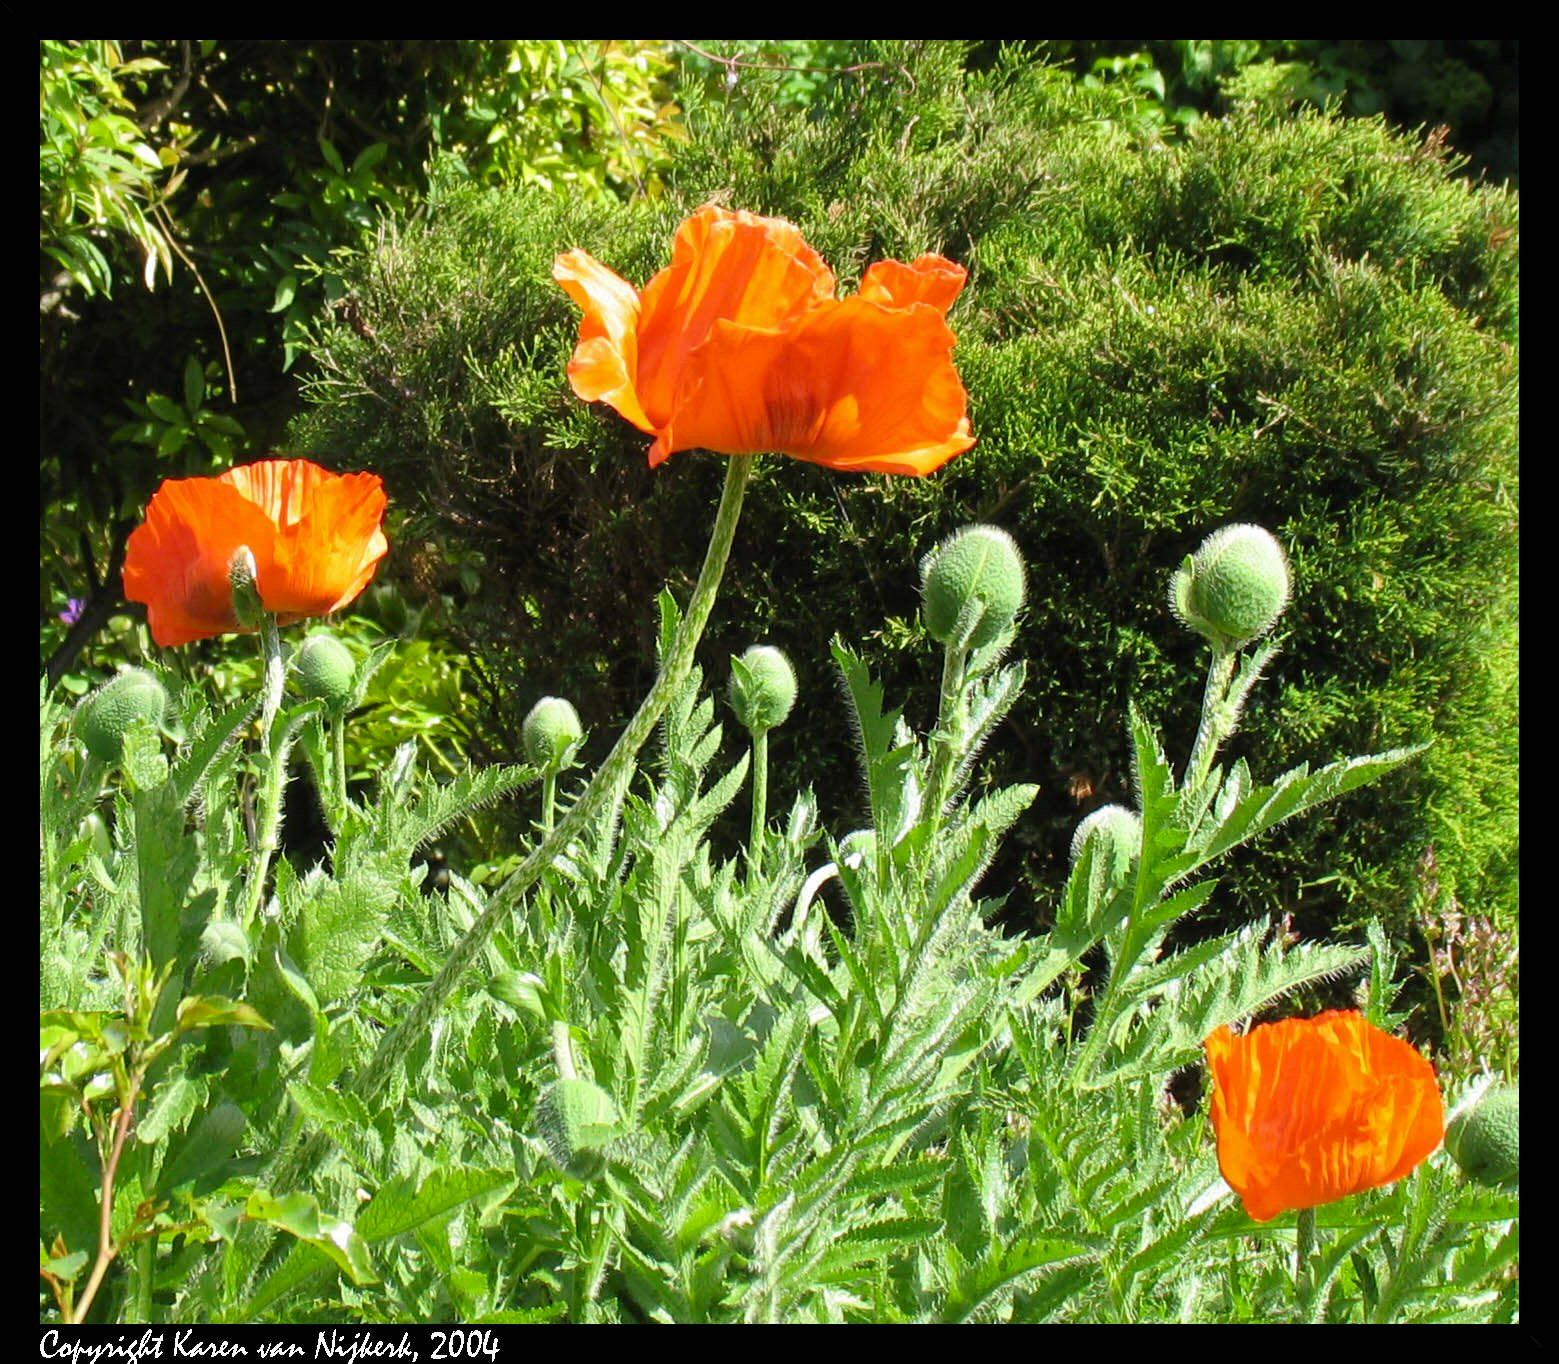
1301 321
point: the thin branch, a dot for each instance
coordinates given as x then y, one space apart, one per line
106 1249
148 118
103 600
227 355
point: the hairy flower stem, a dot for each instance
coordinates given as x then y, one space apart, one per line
268 838
1304 1245
338 762
275 673
549 801
1214 728
275 770
760 801
563 1051
395 1045
949 727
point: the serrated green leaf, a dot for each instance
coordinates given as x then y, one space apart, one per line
69 1268
402 1205
171 1105
167 858
299 1214
304 1263
343 1117
337 924
212 738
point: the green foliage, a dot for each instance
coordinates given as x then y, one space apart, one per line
765 1107
1470 87
676 1087
1301 320
248 173
98 177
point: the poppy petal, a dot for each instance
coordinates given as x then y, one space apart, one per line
854 386
327 557
930 279
605 363
725 267
1308 1111
743 348
176 560
316 538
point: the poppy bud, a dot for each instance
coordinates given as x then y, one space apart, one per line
1116 833
576 1118
977 569
1234 588
551 733
103 718
763 688
1486 1141
325 669
243 581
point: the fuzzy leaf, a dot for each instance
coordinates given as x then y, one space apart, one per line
403 1204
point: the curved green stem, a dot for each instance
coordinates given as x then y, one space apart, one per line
270 653
397 1044
1303 1249
269 827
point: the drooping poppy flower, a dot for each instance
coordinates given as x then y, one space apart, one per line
315 536
741 347
1310 1110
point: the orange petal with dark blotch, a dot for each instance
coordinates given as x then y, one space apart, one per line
736 268
1308 1111
930 279
855 386
176 560
605 364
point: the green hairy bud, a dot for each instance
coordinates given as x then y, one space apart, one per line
1486 1141
763 688
103 718
242 579
325 669
1116 832
1234 588
576 1118
551 733
973 580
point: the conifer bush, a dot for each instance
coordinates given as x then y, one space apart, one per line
1299 321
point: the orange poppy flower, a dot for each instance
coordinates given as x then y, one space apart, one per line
315 536
1310 1110
741 347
